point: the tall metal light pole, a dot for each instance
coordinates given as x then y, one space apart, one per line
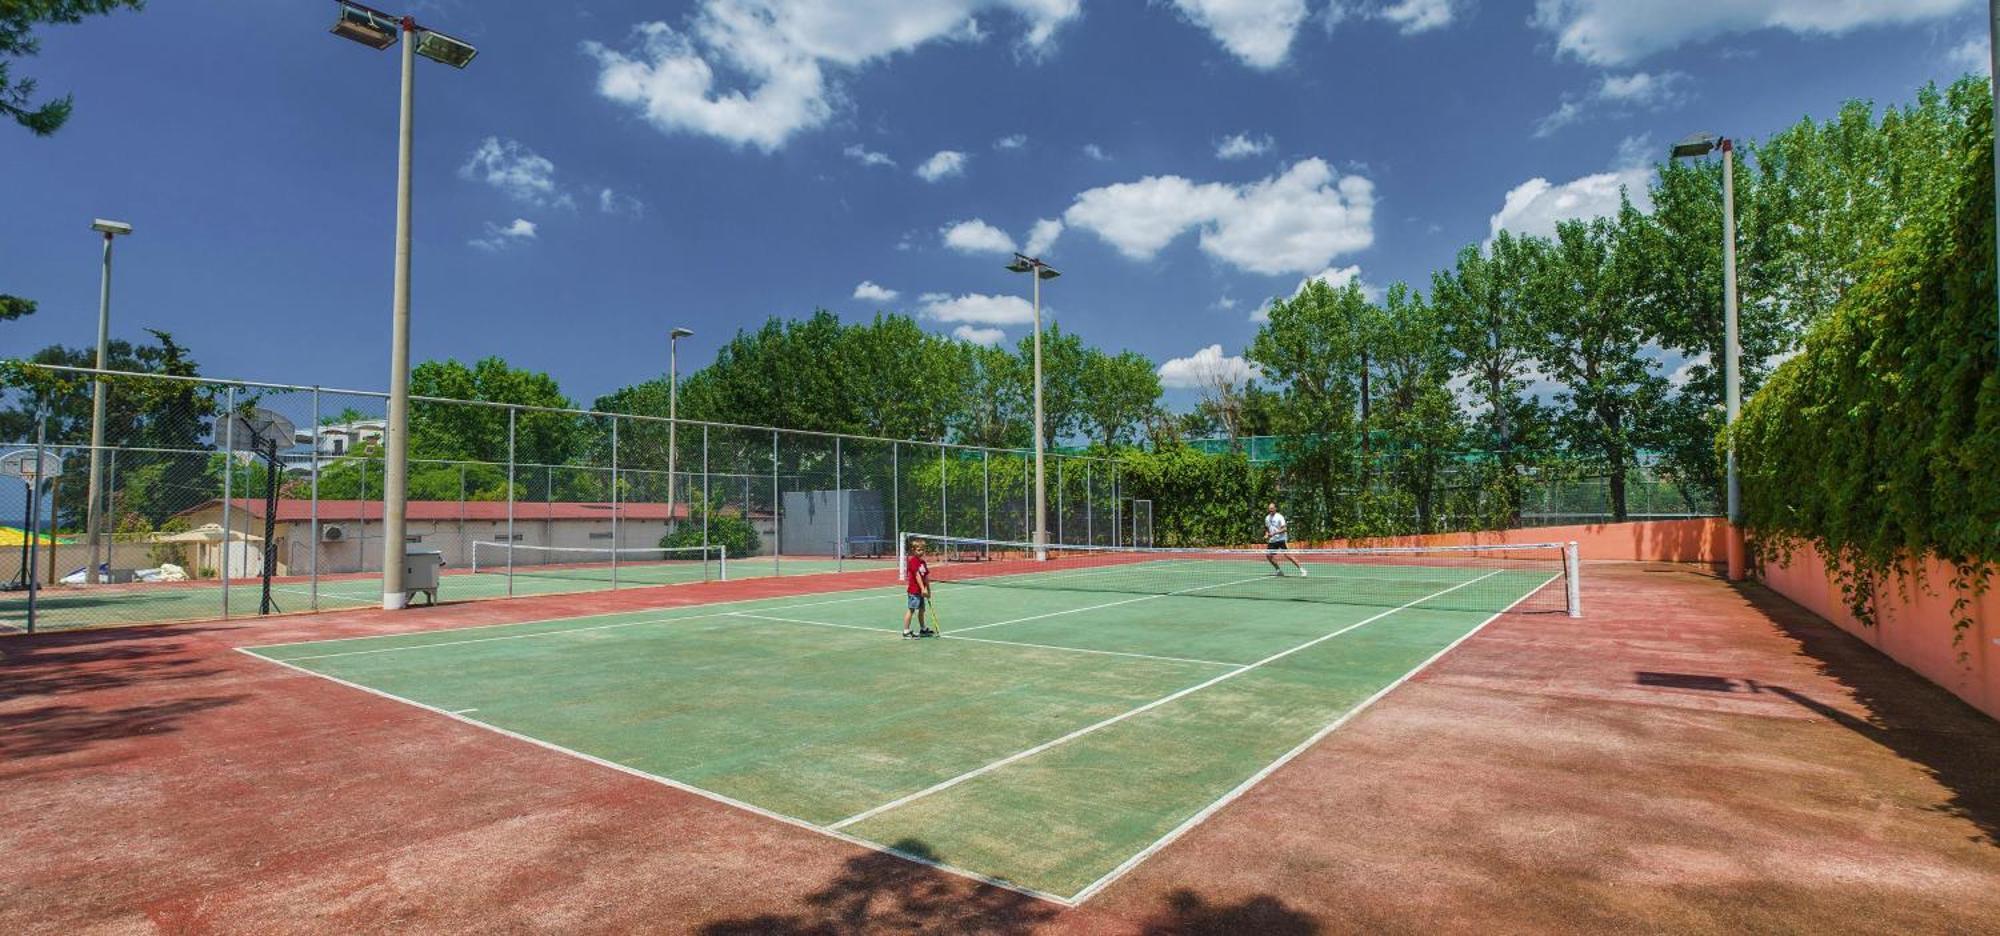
1042 271
94 523
1701 144
673 413
379 30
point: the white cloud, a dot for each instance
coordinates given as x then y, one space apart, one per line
1619 95
1011 142
1259 32
976 237
1242 145
1205 368
866 156
516 171
873 293
977 309
1223 303
498 238
755 72
1415 16
1618 32
1293 222
942 164
1534 207
986 337
1096 152
1042 236
1972 55
619 203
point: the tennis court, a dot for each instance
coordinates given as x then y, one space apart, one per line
1079 712
62 606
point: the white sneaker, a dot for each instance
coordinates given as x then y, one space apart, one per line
1303 573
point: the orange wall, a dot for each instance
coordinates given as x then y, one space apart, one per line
1698 540
1913 622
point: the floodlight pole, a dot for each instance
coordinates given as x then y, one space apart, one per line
94 522
395 474
1732 352
1041 477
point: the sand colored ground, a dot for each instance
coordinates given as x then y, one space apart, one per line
1688 757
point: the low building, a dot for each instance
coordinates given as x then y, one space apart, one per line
349 537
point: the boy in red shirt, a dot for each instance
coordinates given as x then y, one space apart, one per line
917 573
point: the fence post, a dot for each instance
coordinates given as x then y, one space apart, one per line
614 503
312 508
986 491
1089 515
228 476
707 505
777 512
896 490
944 494
839 514
28 573
512 413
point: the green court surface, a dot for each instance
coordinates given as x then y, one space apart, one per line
71 606
1051 740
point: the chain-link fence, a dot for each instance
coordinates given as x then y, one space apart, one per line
516 499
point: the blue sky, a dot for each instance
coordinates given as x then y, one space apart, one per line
598 177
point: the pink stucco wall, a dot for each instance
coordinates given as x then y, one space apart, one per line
1698 540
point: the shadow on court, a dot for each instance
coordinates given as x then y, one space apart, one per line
89 661
882 893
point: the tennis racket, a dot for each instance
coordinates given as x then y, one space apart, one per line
930 604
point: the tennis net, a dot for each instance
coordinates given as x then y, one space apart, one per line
1539 577
546 567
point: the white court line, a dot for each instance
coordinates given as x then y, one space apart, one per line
1258 777
1009 643
1113 604
1115 719
463 711
587 617
476 640
683 787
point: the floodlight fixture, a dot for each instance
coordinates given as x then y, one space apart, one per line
1024 263
1698 144
439 47
110 228
366 25
681 333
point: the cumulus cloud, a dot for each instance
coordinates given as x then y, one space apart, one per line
1012 141
1972 54
1619 95
985 337
977 309
976 237
873 293
866 156
500 237
1258 32
1416 16
1536 206
516 171
1293 222
1096 152
1207 367
1619 32
755 72
1243 146
1042 236
943 164
618 203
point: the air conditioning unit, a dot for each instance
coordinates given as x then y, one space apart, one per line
332 533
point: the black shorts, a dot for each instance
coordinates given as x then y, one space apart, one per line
1275 545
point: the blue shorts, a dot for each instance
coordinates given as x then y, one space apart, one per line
916 602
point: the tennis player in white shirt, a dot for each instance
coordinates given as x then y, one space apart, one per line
1275 536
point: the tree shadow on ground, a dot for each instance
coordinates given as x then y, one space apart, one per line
884 893
60 729
66 663
1187 914
1908 714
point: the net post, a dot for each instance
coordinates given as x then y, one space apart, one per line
902 567
721 560
228 473
1572 584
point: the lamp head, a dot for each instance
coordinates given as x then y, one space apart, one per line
680 333
110 228
1698 144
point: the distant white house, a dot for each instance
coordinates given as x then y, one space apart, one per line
334 440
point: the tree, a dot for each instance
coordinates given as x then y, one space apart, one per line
1064 391
1119 392
1415 411
16 21
457 431
1592 343
1311 351
13 307
1484 321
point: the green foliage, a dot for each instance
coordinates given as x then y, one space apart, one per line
479 433
1199 499
13 307
16 22
726 527
1877 443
